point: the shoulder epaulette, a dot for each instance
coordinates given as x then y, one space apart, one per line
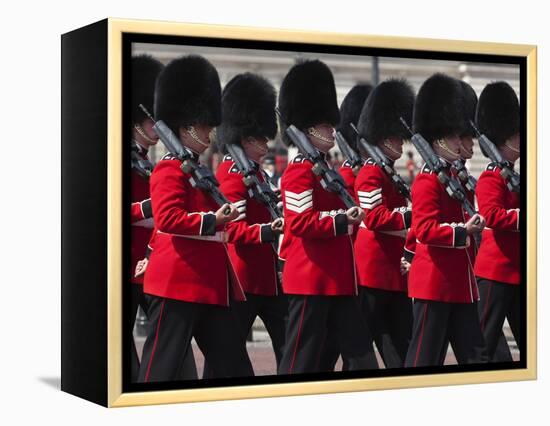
491 167
370 162
346 164
227 157
169 156
426 169
234 169
299 159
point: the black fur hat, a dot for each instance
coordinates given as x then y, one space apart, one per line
350 110
145 70
470 105
497 112
188 92
308 96
248 109
390 100
438 110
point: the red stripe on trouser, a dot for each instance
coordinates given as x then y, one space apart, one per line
421 335
154 344
486 307
298 336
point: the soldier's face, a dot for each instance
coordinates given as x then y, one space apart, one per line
144 134
255 148
196 137
321 137
510 149
392 148
466 147
448 148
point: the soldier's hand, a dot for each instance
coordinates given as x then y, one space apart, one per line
475 224
277 225
355 215
404 266
226 213
141 266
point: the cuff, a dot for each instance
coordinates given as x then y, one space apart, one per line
340 224
208 224
408 255
146 209
267 235
460 237
148 252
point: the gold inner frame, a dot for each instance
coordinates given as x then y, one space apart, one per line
116 28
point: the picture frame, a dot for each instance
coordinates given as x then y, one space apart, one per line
94 92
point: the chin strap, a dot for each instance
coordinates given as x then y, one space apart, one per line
313 132
194 135
442 143
388 146
142 133
510 147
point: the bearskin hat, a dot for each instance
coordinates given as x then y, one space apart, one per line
390 100
307 96
497 114
248 109
438 110
470 105
350 110
144 70
188 92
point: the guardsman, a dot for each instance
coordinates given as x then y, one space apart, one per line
248 120
381 237
188 280
319 271
498 261
349 114
144 71
441 277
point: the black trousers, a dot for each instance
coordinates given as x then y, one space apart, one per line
173 323
435 323
188 369
311 319
388 315
273 310
498 301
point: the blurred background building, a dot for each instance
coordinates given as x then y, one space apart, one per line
348 71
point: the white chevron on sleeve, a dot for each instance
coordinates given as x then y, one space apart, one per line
299 208
298 197
370 199
299 202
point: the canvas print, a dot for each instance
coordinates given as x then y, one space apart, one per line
305 214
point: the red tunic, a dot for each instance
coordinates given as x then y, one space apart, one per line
499 254
189 261
249 236
442 269
141 226
381 236
316 246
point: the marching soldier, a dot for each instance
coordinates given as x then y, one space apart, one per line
498 262
441 277
187 281
145 70
349 114
248 119
319 272
381 237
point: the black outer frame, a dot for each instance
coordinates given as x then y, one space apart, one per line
84 212
84 209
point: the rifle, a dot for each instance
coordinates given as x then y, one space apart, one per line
354 160
379 158
466 178
488 148
201 176
330 180
142 166
437 165
261 191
